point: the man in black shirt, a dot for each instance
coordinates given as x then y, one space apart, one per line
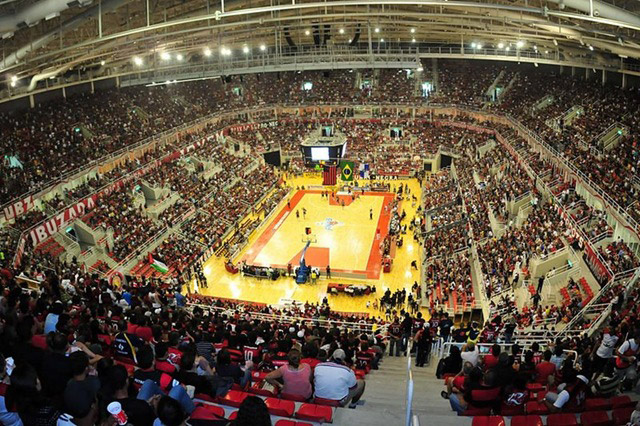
56 368
445 327
126 344
407 325
139 412
146 370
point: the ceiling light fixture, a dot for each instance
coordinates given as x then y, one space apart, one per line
341 31
137 60
165 56
207 52
179 57
263 47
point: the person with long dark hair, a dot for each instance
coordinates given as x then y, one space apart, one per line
25 397
253 412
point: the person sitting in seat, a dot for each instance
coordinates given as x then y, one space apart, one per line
293 379
545 371
571 394
335 381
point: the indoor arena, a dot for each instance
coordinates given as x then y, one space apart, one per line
415 213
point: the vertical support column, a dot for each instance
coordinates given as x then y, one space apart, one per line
573 71
100 18
32 101
561 69
149 14
369 36
604 76
64 93
93 87
624 80
586 73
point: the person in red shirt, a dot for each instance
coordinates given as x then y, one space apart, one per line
456 384
545 371
144 331
174 355
491 359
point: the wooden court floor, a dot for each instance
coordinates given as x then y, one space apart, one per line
346 238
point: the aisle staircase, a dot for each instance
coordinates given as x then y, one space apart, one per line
386 398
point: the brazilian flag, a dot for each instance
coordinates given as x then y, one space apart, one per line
346 168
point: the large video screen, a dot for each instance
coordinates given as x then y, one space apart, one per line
320 154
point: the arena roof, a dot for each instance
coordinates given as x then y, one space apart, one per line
49 39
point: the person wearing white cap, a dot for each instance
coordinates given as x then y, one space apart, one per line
335 381
570 396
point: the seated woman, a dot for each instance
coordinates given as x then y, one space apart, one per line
451 364
293 379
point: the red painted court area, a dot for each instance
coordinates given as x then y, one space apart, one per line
318 255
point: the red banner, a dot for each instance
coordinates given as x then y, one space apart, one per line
19 208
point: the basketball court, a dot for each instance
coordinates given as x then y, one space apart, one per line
345 233
344 237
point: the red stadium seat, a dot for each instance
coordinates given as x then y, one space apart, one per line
233 415
315 413
595 418
233 398
280 407
204 397
532 420
285 422
258 376
511 410
622 401
535 387
597 404
329 402
485 395
256 389
562 419
621 416
535 407
207 412
488 421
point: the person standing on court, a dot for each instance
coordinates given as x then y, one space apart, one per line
370 214
328 271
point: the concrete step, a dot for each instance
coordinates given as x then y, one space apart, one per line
386 397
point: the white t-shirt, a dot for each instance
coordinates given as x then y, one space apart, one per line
608 345
333 381
472 357
629 344
564 396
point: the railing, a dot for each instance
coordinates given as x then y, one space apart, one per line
409 411
593 307
326 323
485 348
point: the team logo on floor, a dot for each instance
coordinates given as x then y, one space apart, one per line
329 224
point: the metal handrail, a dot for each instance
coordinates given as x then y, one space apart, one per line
328 323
